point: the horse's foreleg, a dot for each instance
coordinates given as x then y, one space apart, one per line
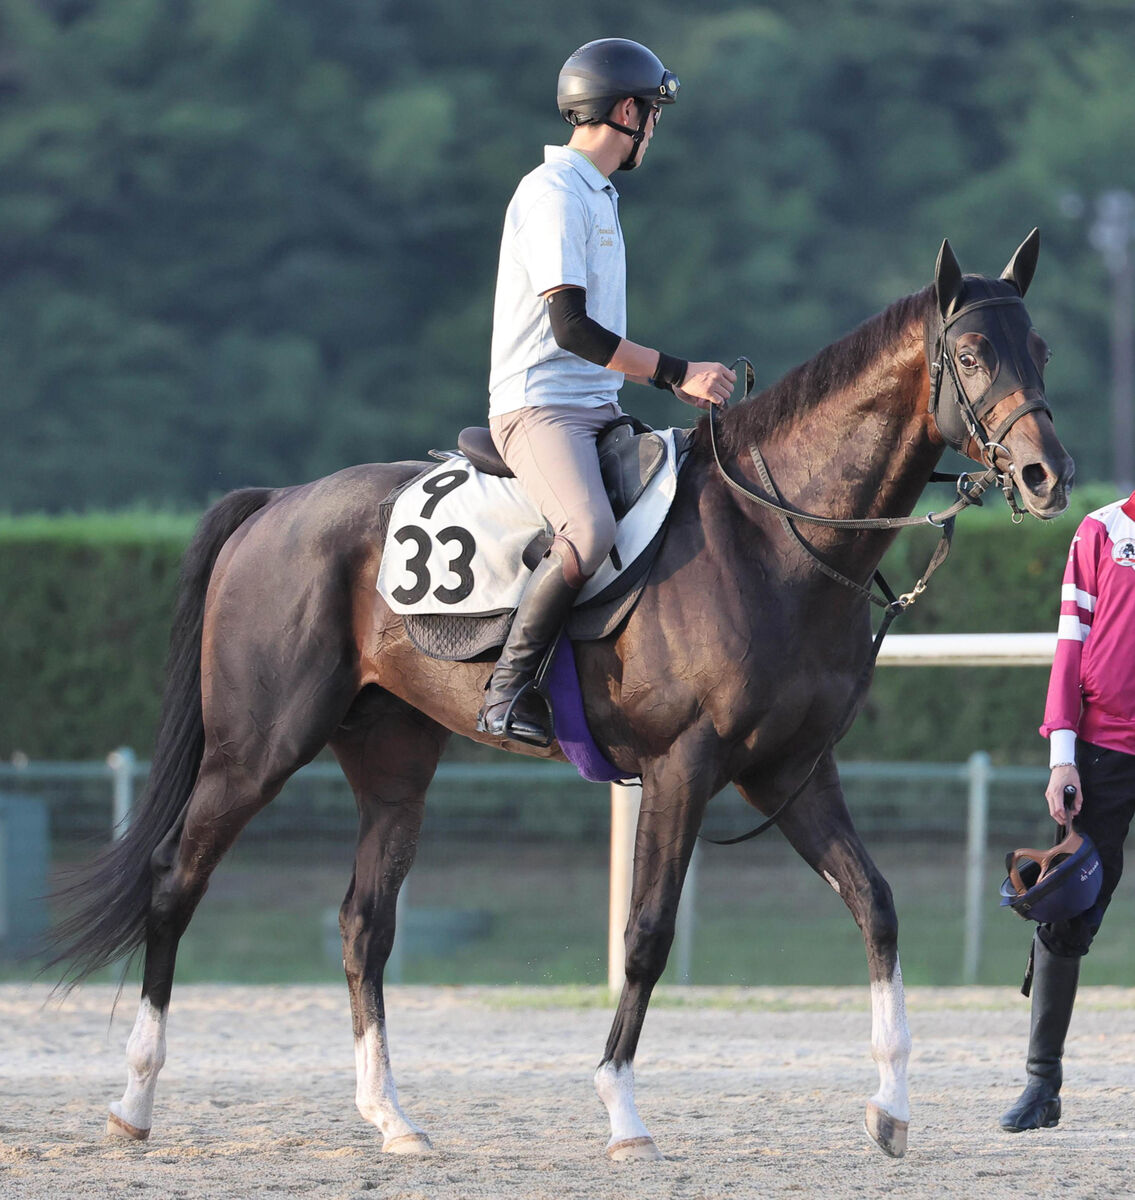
888 1111
671 812
389 764
819 826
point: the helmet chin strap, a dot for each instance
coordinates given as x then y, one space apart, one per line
636 135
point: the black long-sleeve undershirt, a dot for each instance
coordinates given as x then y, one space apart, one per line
575 331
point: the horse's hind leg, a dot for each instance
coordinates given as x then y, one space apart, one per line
223 801
181 867
240 773
819 827
389 753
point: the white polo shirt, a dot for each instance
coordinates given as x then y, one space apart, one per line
561 227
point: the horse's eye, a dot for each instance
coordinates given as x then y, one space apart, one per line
968 360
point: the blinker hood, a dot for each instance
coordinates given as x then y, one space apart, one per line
1003 321
994 309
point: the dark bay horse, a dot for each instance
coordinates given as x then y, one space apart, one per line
740 664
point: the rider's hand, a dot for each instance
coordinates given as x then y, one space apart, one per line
1062 777
706 384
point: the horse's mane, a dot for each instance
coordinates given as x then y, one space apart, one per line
836 366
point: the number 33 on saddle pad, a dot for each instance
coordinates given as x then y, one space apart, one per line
456 538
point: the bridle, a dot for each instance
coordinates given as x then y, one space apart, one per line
957 425
965 420
962 422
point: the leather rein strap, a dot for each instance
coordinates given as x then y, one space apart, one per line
970 489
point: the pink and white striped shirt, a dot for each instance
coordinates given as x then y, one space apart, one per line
1091 691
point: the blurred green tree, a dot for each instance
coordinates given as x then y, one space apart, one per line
252 241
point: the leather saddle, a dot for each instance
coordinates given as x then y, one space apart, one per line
630 454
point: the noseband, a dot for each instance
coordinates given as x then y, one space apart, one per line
964 419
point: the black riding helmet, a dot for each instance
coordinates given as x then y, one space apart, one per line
601 73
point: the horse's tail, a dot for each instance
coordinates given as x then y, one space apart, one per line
108 899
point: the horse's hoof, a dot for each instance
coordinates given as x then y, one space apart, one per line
408 1143
639 1149
118 1128
887 1131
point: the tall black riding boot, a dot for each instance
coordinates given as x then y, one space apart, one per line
543 609
1054 993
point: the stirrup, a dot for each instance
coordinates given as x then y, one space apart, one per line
535 684
549 725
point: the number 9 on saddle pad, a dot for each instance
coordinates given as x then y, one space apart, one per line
1056 884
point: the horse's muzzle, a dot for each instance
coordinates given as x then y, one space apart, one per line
1045 490
1040 466
1045 477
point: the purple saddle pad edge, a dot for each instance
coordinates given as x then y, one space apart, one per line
572 731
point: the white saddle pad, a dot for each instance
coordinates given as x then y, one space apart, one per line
457 536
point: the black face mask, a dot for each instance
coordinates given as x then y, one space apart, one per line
995 310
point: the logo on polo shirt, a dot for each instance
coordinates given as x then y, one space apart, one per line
1123 552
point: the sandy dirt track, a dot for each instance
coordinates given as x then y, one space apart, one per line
754 1092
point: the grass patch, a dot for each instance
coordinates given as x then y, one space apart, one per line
131 527
533 916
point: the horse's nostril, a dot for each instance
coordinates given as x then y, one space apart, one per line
1035 478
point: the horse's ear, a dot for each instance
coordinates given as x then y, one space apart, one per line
1022 265
947 278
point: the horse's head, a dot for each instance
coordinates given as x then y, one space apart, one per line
987 378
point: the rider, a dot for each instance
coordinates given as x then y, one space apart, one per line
559 354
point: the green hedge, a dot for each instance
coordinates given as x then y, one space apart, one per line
999 578
87 602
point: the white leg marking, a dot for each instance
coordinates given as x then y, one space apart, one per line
833 881
145 1056
616 1089
377 1097
890 1045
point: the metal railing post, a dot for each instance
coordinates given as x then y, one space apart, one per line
122 762
625 801
979 769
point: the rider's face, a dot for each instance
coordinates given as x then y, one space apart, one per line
634 116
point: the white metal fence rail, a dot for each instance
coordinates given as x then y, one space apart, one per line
123 773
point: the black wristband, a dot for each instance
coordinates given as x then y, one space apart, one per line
670 372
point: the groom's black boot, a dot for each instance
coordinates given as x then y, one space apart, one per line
1054 992
513 709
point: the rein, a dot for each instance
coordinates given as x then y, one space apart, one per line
970 490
